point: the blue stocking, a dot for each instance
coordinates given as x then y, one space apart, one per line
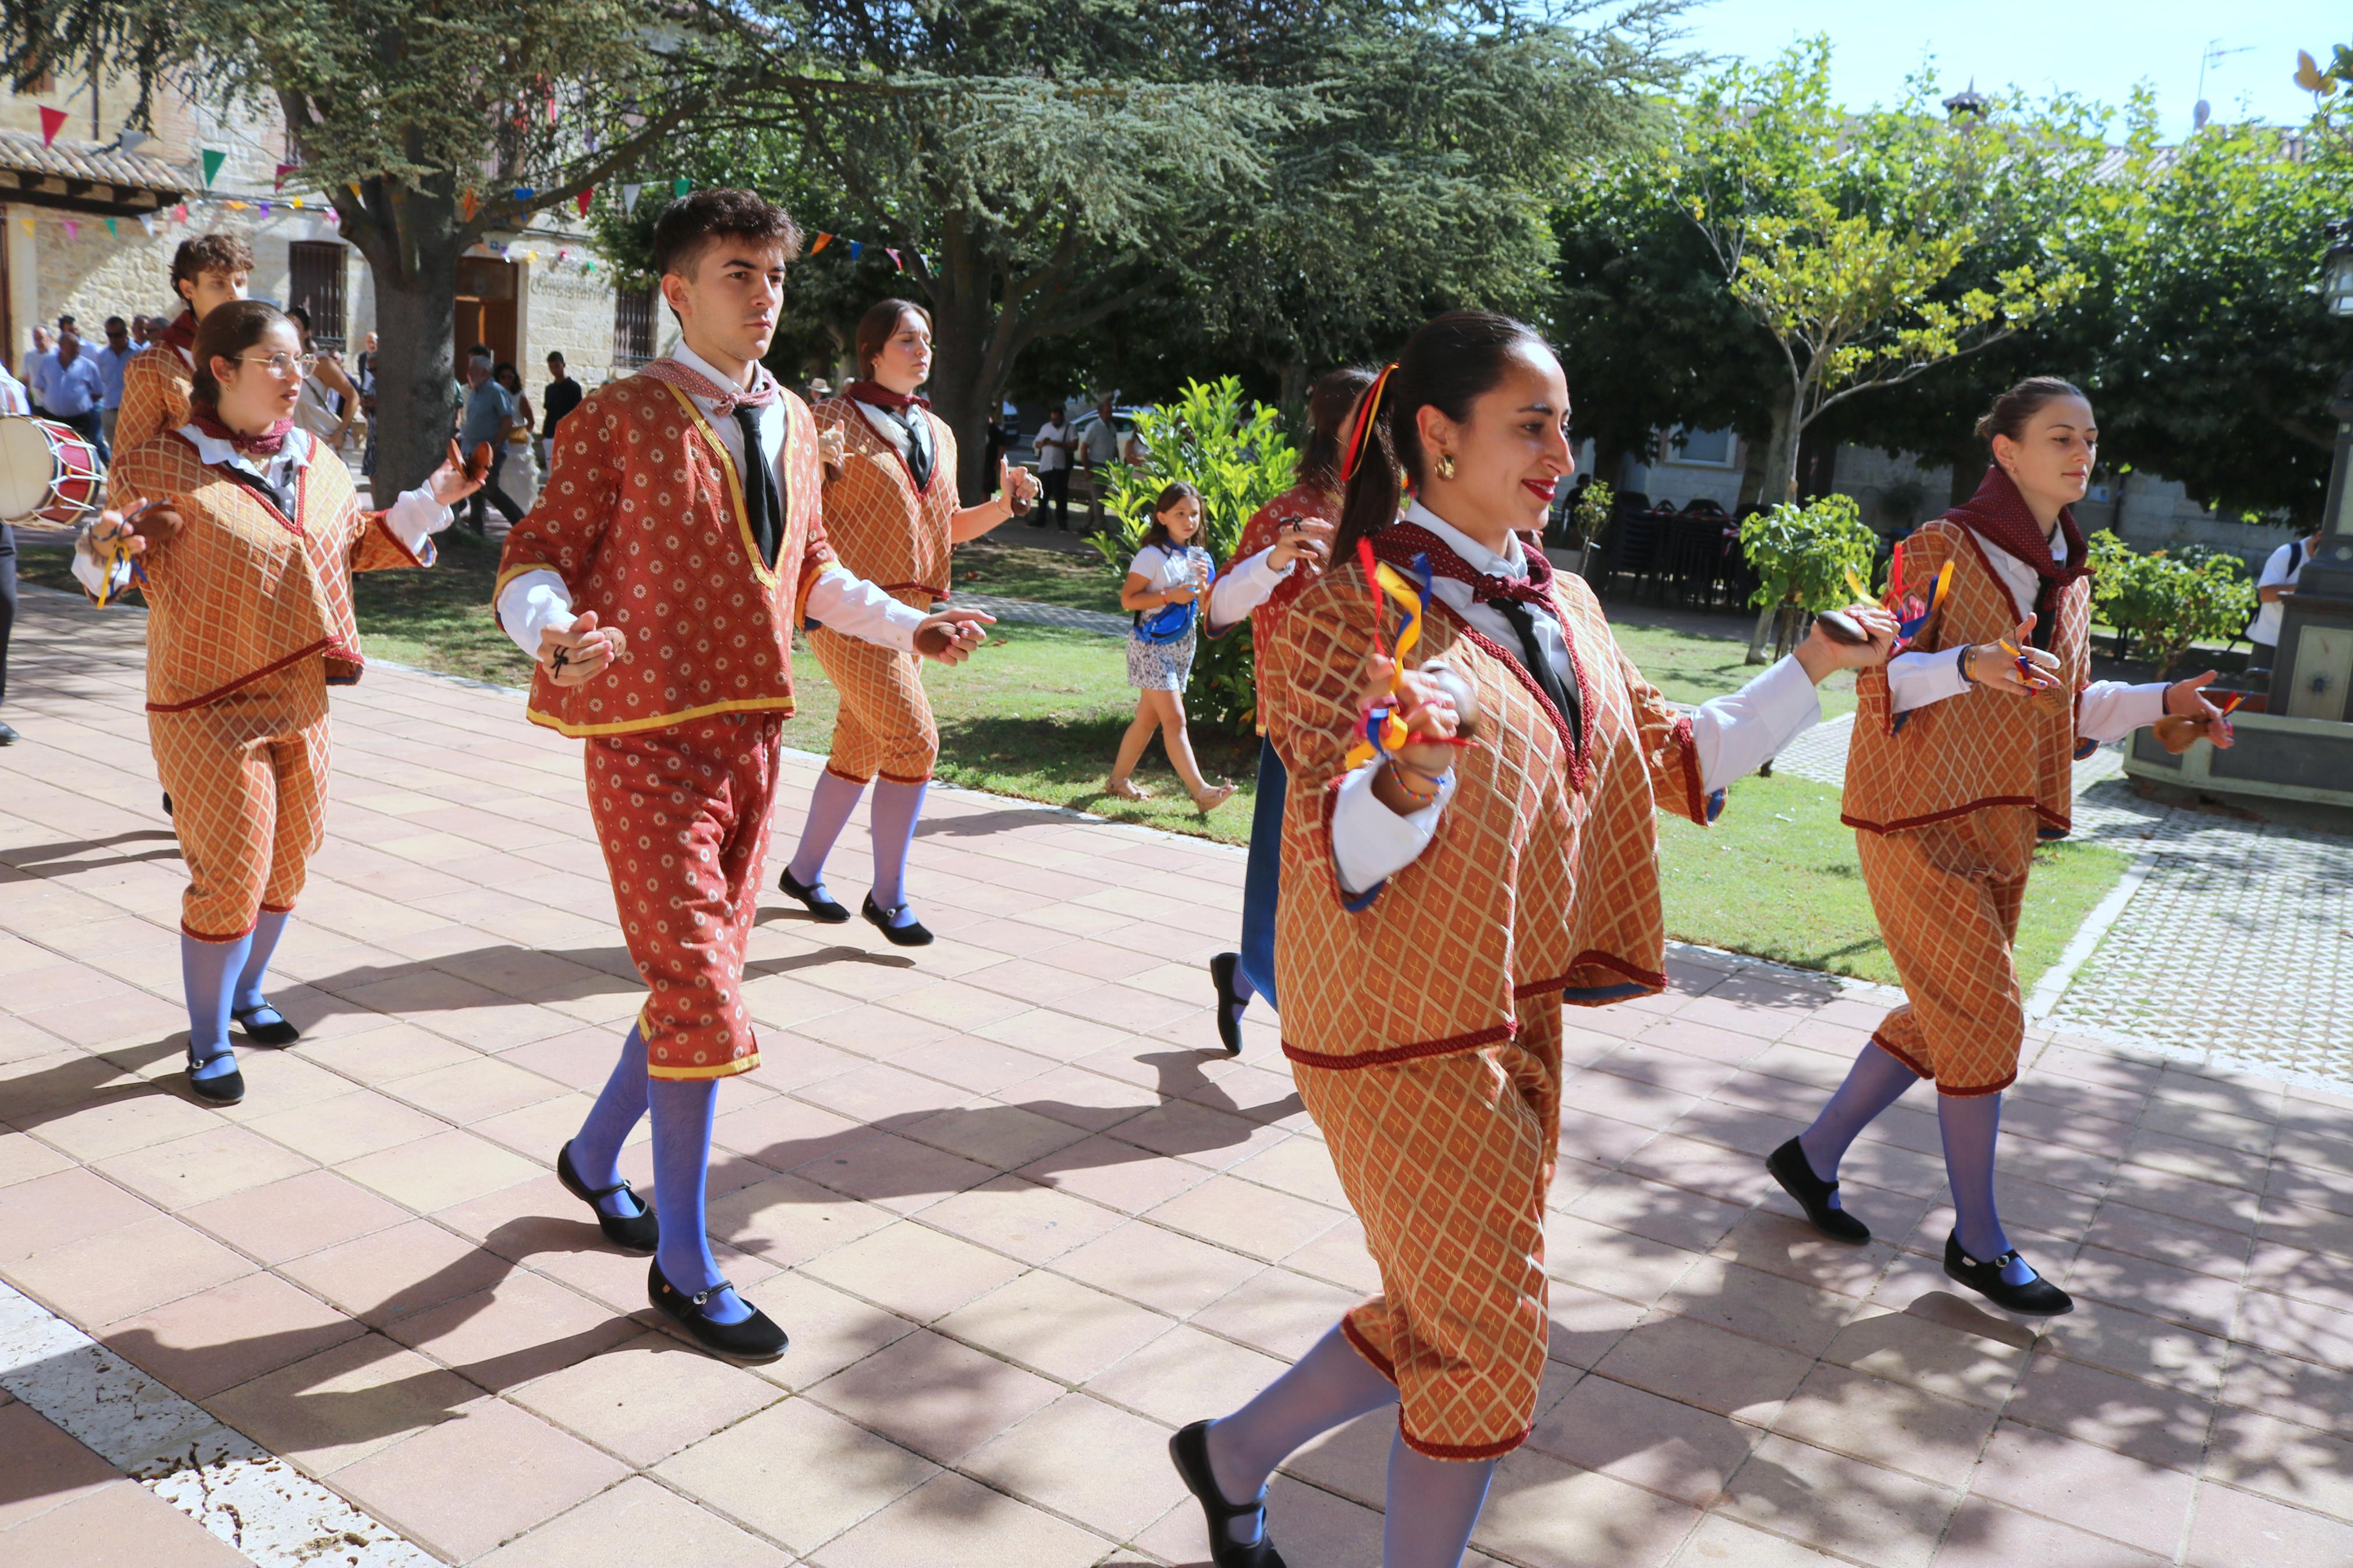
268 927
896 808
1876 1081
1263 879
682 1112
830 803
596 1147
1333 1384
1431 1507
207 970
1970 1123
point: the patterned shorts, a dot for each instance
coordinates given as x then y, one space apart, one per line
247 777
885 725
1161 666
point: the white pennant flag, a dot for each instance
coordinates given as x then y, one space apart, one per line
134 140
630 198
147 221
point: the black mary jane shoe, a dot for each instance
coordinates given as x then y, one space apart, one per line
281 1032
1789 1166
222 1088
2038 1297
167 803
1229 1006
914 934
1188 1450
636 1233
756 1338
816 904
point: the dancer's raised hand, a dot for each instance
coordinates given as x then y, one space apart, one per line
1307 539
2016 666
950 636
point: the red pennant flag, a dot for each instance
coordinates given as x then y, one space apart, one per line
896 265
52 122
180 211
583 199
284 170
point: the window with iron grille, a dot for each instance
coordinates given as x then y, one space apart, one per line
315 282
633 327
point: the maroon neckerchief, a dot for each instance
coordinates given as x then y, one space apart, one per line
694 383
1399 543
1997 515
181 334
269 444
881 396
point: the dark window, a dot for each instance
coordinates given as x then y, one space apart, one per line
633 327
316 283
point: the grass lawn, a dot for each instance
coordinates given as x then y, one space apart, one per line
1776 876
987 565
1692 667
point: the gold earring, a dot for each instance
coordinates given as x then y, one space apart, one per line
1445 465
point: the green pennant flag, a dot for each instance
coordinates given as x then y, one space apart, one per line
678 187
214 158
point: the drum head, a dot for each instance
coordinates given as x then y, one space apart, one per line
27 468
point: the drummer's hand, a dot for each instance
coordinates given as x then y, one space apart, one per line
577 657
950 636
452 481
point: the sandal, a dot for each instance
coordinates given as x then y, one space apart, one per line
1126 789
1210 799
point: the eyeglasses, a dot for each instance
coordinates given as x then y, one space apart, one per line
282 365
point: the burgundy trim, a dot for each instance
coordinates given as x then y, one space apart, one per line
1978 805
1879 1038
1694 794
844 778
1978 1091
269 908
894 778
1577 756
1596 958
1394 1053
324 645
376 521
1460 1450
238 935
1363 1347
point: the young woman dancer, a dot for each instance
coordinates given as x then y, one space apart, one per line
1165 586
892 516
1284 545
245 563
1963 756
1439 905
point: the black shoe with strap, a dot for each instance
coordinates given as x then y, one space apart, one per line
1229 1006
2037 1297
265 1025
636 1233
7 736
816 902
222 1088
1790 1167
1188 1450
756 1338
914 934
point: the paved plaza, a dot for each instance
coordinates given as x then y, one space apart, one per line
1022 1220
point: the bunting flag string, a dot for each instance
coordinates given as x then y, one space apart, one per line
858 248
213 160
52 122
629 198
584 199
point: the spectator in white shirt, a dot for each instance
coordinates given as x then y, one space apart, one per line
2279 574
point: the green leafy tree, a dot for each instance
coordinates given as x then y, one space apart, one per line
1802 556
2169 600
1232 450
453 120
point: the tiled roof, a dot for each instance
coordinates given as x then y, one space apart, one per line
77 175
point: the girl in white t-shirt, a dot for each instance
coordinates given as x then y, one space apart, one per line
1165 584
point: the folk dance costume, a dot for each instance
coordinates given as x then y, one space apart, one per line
890 511
1949 788
1426 957
157 384
1252 589
249 621
686 513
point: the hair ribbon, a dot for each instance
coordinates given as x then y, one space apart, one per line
1366 413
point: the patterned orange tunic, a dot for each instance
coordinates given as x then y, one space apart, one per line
249 619
1948 801
1423 1019
901 539
155 386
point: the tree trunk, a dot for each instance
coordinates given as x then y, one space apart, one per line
416 389
1293 400
960 392
1780 468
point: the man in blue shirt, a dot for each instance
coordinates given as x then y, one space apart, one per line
110 361
489 412
68 385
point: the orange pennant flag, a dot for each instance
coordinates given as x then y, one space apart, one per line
822 241
466 204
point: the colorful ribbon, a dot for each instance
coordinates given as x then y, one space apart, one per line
1383 730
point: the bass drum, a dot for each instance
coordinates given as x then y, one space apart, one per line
48 473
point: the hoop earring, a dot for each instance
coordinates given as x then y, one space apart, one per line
1445 465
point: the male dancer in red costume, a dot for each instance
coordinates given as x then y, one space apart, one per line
679 540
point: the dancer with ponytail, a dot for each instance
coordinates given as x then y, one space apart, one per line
1493 858
657 585
243 552
1283 547
1963 756
891 517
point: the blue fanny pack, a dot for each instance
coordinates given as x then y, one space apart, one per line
1171 623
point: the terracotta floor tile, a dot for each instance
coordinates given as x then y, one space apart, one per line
2150 1422
913 1270
392 1052
932 1395
2092 1489
46 1468
2110 1337
950 1522
471 1092
401 1269
464 1486
637 1523
522 1328
1547 1514
1768 1307
646 1399
346 1126
1722 1538
1929 1352
2289 1388
216 1339
1987 1535
1013 1215
1241 1217
221 1159
341 1406
829 1330
118 1272
2290 1463
123 1120
1186 1375
1115 1174
1891 1423
1657 1444
1158 1268
992 1133
1279 1311
120 1525
436 1172
797 1472
781 1133
1841 1504
787 1220
897 1172
22 1159
1066 1330
1081 1459
1706 1366
51 1211
1602 1258
2235 1528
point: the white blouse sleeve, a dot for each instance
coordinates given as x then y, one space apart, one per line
1251 582
1737 735
856 608
2111 709
1370 843
1917 679
533 603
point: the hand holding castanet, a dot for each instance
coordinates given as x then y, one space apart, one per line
575 657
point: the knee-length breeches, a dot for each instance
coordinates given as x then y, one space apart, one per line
1947 896
247 777
885 725
1447 1162
682 814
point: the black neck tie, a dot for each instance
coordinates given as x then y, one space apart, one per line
918 444
1532 655
764 508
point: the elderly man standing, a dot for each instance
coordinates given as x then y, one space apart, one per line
488 411
70 384
1099 453
110 360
